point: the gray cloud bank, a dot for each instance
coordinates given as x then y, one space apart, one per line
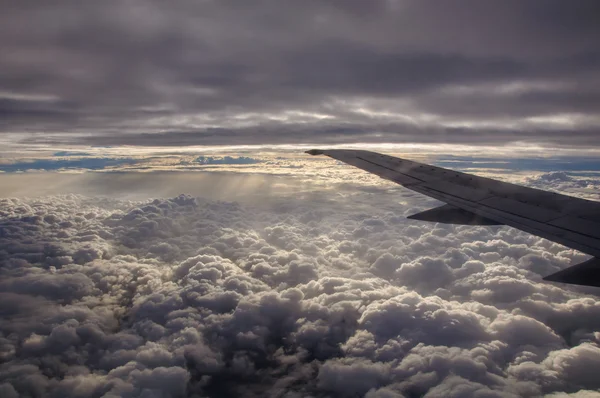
191 72
311 295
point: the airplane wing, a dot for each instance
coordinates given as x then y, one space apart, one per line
474 200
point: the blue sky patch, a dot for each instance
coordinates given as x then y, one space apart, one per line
52 164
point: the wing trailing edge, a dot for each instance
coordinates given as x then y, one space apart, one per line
448 214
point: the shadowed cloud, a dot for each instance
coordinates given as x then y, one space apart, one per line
273 72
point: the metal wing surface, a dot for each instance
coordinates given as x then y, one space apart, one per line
475 200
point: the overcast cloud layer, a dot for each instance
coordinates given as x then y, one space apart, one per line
213 72
323 293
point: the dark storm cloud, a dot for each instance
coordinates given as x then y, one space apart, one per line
329 133
116 70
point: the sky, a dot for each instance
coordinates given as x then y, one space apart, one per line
150 73
163 234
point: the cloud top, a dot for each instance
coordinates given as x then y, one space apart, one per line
296 296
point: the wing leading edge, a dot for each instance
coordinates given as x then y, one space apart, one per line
474 200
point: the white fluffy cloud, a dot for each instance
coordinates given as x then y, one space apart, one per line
306 295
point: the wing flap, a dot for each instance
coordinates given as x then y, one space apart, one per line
385 172
448 214
576 224
470 194
521 209
419 171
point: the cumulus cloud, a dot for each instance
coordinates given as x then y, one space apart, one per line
570 183
320 295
